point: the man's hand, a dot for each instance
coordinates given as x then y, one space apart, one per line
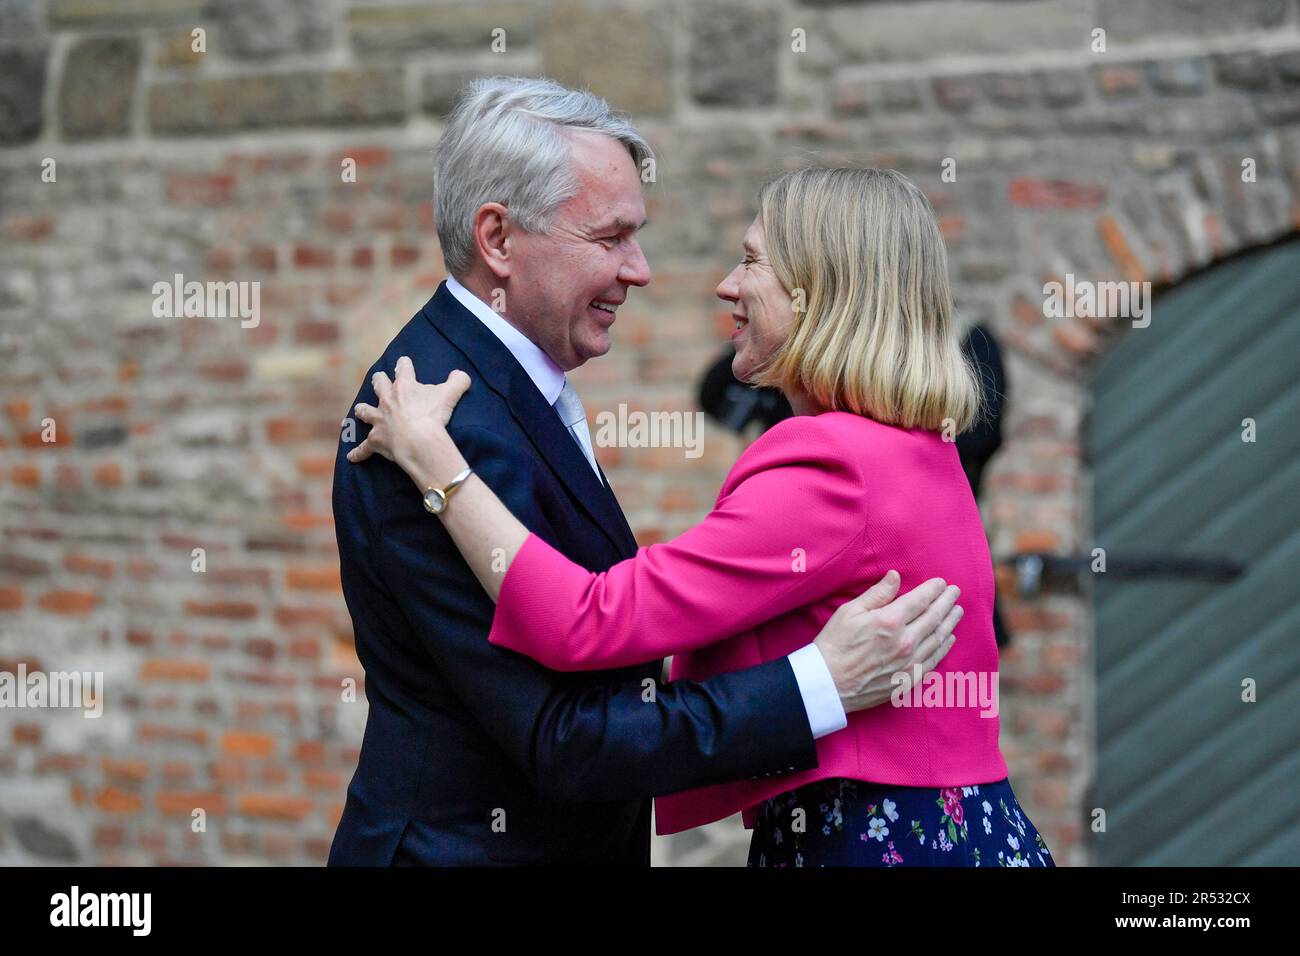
874 636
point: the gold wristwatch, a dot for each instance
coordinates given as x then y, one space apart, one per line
435 499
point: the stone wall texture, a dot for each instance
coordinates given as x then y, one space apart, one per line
127 156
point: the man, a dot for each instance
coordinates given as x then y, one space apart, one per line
473 754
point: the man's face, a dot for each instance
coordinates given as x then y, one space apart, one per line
565 285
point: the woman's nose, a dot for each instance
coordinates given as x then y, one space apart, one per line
729 287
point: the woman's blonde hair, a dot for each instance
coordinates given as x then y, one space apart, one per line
862 255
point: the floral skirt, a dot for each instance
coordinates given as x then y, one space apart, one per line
838 822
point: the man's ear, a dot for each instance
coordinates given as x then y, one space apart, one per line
492 234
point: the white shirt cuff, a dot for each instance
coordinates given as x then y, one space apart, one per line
817 688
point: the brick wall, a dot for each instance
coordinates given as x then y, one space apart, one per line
224 687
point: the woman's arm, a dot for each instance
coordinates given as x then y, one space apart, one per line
785 533
409 428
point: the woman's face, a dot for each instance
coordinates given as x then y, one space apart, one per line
761 306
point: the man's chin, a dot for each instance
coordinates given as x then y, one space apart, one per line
594 347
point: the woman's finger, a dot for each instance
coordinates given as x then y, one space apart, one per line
458 382
405 368
367 413
380 383
361 452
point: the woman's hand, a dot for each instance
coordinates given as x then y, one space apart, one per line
409 426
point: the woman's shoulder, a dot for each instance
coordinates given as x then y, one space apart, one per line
827 442
830 434
837 442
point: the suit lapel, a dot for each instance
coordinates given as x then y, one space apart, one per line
500 371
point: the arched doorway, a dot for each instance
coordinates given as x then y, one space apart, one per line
1189 773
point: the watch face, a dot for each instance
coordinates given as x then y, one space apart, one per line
434 501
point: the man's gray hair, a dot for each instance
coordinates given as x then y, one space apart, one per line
505 142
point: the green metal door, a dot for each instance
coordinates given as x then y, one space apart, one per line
1187 773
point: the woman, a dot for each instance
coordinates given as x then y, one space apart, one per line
841 301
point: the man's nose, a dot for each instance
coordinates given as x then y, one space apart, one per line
635 271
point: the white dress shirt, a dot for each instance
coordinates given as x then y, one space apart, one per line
821 700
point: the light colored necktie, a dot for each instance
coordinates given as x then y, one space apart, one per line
569 407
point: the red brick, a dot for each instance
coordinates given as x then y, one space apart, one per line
275 806
183 803
130 771
323 779
315 333
366 157
200 189
315 616
312 257
166 732
68 477
316 466
1029 192
305 648
336 219
85 564
27 476
404 255
168 669
109 475
113 800
27 733
321 577
61 763
306 520
247 743
227 771
263 257
309 751
250 577
1035 617
28 228
233 610
221 259
109 837
1037 541
260 647
225 370
1118 79
390 218
1120 250
69 602
337 293
11 598
363 257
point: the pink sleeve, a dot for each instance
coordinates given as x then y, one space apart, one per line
787 530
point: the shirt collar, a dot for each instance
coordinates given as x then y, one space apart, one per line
541 368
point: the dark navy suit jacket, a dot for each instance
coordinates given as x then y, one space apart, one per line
474 754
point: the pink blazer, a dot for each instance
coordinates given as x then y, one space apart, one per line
812 514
